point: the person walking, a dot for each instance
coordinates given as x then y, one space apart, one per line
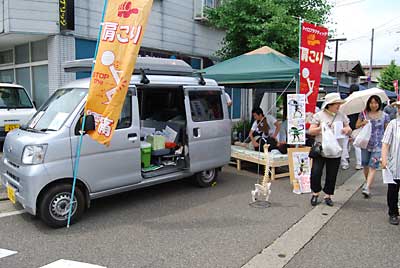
390 109
329 115
391 161
372 154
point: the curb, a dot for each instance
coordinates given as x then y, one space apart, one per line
284 248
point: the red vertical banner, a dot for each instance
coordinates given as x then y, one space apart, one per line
396 88
312 49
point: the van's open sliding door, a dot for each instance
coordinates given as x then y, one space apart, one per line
208 127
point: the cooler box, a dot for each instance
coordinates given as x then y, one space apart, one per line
145 149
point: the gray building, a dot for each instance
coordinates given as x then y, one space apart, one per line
33 48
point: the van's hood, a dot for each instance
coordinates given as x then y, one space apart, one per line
15 116
16 140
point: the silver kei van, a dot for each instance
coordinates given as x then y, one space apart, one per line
38 160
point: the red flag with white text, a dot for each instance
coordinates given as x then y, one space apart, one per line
312 48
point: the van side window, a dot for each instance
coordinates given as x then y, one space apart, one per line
206 106
125 119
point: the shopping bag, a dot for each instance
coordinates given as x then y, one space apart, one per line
330 145
364 136
355 133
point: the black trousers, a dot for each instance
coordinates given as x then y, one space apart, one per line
332 168
393 198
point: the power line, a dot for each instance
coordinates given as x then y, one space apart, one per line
349 3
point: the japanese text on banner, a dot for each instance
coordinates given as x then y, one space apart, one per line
120 38
313 41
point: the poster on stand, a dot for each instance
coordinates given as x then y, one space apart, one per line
296 118
300 169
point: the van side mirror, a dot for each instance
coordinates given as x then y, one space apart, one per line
89 123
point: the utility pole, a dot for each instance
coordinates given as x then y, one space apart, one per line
370 60
336 56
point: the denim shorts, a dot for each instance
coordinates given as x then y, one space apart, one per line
370 159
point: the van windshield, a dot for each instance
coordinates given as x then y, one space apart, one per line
56 110
14 98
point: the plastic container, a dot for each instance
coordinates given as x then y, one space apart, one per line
157 142
145 149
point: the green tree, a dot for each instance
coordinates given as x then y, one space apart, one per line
390 73
251 24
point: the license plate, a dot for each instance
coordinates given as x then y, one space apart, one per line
11 194
10 127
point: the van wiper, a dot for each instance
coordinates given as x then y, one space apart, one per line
30 129
47 129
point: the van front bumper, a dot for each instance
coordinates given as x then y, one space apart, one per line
24 180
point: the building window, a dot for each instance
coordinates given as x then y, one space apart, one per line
40 84
29 69
39 50
6 57
7 76
201 5
23 78
236 96
22 54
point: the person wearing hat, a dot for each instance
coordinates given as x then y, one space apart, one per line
391 161
329 115
390 109
370 156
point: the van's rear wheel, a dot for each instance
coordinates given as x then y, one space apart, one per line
206 178
55 202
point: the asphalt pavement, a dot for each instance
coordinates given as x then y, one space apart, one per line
170 225
359 235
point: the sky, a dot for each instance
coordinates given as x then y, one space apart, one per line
354 20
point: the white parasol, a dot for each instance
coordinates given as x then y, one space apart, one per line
356 102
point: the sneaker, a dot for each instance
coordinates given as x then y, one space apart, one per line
394 220
358 167
328 201
344 167
366 192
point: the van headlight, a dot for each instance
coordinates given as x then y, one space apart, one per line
34 154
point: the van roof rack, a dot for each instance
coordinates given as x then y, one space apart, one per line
152 65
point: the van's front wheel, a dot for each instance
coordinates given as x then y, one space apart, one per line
55 202
206 178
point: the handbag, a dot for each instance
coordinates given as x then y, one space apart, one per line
315 150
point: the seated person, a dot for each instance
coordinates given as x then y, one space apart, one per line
265 130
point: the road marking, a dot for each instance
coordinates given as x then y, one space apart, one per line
12 213
70 264
283 249
5 253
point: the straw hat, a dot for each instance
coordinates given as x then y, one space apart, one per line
332 98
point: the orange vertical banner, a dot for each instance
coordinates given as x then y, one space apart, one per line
120 39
